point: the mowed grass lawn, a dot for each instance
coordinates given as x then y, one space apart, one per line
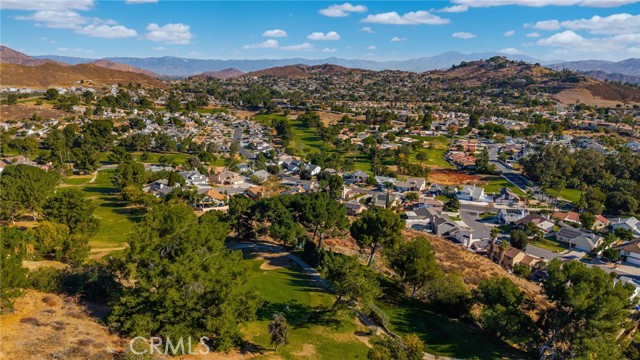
316 332
441 335
495 183
435 154
116 219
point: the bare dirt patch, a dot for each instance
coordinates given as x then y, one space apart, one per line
35 265
46 326
453 178
307 350
20 112
273 261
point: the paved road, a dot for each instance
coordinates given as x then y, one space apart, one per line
237 136
513 177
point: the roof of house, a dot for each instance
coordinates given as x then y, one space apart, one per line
531 218
580 237
512 252
631 246
215 194
569 232
567 216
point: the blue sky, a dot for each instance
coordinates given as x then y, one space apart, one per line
380 30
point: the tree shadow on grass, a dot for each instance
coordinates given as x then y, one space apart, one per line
99 190
299 315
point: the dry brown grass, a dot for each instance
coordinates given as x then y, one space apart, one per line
453 178
20 112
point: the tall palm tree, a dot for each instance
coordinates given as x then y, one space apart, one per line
494 235
504 245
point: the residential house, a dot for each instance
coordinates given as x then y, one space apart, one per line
227 177
435 190
601 222
579 239
472 193
254 193
630 251
158 188
358 176
384 181
311 169
193 177
506 197
354 208
412 184
380 200
508 216
512 256
570 216
629 223
540 221
261 175
212 199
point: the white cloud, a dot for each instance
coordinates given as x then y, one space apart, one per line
106 31
371 47
46 4
275 33
533 35
569 42
267 44
548 25
140 1
398 39
411 18
463 35
342 10
368 30
329 50
541 3
330 36
300 47
57 19
160 48
509 33
613 24
69 19
510 51
454 9
170 33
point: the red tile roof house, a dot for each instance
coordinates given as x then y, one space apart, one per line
570 216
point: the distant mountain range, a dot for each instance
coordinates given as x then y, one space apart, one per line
174 66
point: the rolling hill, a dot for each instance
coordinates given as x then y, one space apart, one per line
305 71
184 67
566 87
108 64
53 74
221 74
10 56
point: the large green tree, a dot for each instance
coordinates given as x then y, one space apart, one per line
415 262
503 312
129 173
590 308
24 188
352 282
12 274
375 228
185 282
70 207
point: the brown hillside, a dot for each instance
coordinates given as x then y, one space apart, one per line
10 56
305 71
566 87
52 74
221 74
108 64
